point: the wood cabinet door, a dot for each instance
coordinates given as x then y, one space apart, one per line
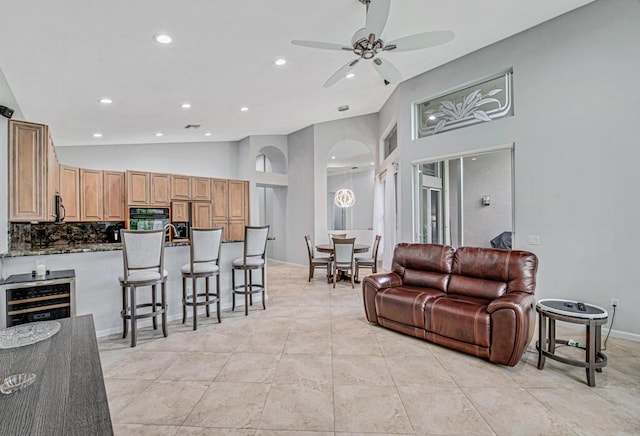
91 195
236 199
27 172
70 192
236 230
179 211
220 198
180 187
114 206
201 215
225 226
201 188
160 189
137 188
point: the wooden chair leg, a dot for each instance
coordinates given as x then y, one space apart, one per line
154 319
134 324
125 323
335 275
353 273
194 301
218 297
163 291
184 299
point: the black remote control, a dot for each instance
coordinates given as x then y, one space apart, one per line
581 307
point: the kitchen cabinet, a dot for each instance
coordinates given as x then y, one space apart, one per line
160 189
201 215
235 230
220 198
201 188
32 172
179 211
180 187
137 188
225 227
113 198
237 194
70 192
91 195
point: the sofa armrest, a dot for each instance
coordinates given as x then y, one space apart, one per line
512 324
373 283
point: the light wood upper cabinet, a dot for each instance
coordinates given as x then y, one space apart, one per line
235 230
160 189
91 195
201 215
180 187
225 226
220 199
114 204
201 188
179 211
31 190
137 188
70 192
236 200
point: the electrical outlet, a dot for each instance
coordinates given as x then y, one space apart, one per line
533 240
615 303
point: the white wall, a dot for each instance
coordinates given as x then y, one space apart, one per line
360 216
576 134
205 159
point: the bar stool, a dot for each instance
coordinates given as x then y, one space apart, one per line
143 257
255 246
204 263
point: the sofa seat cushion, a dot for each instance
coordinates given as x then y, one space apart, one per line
459 317
405 304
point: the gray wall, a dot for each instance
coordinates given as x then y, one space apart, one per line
576 134
300 206
489 174
206 159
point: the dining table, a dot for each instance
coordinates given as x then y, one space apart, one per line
328 248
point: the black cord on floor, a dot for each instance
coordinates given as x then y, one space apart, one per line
613 318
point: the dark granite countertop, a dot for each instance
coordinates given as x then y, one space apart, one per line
89 248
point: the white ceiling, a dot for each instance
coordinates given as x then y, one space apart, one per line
61 57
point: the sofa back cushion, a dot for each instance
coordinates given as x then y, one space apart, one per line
424 265
490 273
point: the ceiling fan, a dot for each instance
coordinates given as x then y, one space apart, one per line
367 43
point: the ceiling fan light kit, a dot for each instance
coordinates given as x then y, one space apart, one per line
367 44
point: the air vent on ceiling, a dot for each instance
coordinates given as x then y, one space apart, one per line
192 126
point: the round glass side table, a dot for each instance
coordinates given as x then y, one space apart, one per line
593 317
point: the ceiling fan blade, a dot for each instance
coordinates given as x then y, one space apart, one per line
387 70
340 73
377 14
321 45
420 40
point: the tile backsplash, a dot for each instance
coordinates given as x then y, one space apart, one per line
27 236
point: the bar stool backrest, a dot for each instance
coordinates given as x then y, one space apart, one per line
142 250
255 241
205 245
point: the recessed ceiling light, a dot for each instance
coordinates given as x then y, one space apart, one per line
371 163
97 135
162 38
280 62
333 157
244 108
207 134
159 134
350 76
186 105
106 101
432 117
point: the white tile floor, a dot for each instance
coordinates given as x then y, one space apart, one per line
311 365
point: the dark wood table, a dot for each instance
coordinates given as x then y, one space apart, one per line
328 248
68 397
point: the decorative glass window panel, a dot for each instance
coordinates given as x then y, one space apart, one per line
391 141
479 103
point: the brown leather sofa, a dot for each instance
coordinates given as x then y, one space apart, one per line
476 300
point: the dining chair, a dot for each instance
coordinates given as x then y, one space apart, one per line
143 259
255 247
337 235
343 258
317 261
203 263
369 262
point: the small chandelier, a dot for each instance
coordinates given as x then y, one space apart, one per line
344 198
